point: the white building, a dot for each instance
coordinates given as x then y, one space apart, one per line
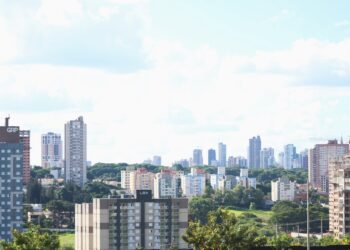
289 156
283 189
167 184
193 184
267 158
75 151
244 180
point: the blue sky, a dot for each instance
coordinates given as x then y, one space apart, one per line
163 77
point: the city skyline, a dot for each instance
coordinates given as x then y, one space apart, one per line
148 76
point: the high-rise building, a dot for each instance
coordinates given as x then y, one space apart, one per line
167 184
254 152
319 158
267 158
51 151
281 160
75 151
230 162
24 137
304 159
193 184
11 179
222 154
283 189
289 156
339 196
139 179
157 160
211 156
197 159
131 223
240 161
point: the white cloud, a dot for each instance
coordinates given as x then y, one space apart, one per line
282 15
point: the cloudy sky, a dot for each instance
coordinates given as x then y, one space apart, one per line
163 77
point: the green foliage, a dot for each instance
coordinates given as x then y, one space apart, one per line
38 172
199 207
34 190
222 232
32 239
98 189
282 241
105 170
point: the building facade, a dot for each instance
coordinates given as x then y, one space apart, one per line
193 184
319 158
129 223
75 151
339 196
51 150
139 179
222 154
197 159
283 189
254 152
24 137
211 156
11 180
167 184
267 157
289 156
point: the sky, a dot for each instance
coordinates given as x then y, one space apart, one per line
161 77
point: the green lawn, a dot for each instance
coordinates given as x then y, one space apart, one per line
262 214
66 241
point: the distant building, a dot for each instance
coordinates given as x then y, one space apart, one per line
131 223
197 159
267 158
245 181
319 158
304 159
11 180
215 178
211 156
339 196
167 184
193 184
75 151
254 152
51 151
281 160
183 162
222 154
283 189
289 156
24 137
230 162
157 160
240 161
139 179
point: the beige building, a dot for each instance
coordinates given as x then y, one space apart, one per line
139 179
131 223
167 184
319 158
339 196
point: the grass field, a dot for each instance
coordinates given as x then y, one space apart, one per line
264 215
66 241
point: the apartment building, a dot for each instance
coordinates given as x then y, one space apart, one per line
137 179
283 189
339 196
193 184
131 223
167 184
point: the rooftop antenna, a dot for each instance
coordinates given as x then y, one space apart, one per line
7 121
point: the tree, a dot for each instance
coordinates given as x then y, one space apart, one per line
282 241
34 190
200 207
222 232
32 239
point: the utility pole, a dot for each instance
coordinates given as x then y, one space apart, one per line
307 215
